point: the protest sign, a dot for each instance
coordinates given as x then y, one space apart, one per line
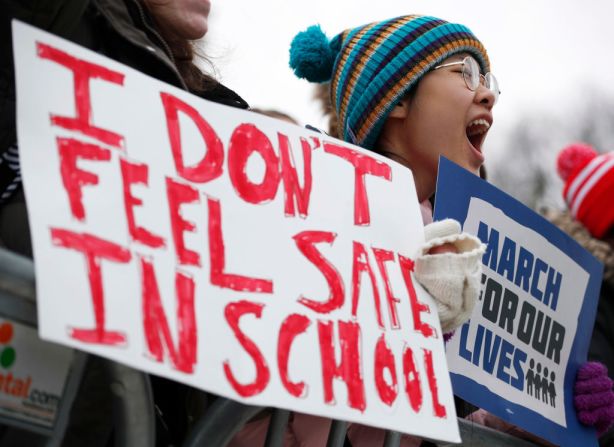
518 355
33 374
223 249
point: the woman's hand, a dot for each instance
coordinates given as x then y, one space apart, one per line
593 396
443 248
449 267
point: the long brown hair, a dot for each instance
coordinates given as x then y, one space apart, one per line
183 53
321 94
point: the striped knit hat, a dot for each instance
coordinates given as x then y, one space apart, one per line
373 66
589 186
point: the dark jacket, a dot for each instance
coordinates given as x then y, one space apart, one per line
119 29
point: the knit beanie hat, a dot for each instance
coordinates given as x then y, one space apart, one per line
373 66
589 186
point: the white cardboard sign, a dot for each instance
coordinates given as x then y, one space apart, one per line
224 249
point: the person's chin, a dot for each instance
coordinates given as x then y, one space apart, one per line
196 30
472 166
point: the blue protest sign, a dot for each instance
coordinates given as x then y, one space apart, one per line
529 332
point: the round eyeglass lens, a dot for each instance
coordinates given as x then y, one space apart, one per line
471 73
492 84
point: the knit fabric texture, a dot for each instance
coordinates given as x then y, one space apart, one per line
589 186
593 396
452 279
373 66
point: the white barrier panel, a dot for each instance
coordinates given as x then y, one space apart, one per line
32 375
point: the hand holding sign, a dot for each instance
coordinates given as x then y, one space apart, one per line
589 184
518 355
593 396
449 268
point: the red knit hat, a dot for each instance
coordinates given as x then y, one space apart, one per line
589 186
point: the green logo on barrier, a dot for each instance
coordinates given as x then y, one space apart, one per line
7 356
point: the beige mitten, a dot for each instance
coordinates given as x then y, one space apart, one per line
452 279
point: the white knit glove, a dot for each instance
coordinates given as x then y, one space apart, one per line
452 279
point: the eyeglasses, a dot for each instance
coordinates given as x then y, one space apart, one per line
472 76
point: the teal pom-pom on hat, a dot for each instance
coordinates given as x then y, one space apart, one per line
311 56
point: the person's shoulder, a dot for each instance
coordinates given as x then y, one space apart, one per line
566 222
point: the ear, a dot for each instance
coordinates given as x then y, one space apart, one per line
400 110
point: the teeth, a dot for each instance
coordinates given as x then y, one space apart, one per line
477 127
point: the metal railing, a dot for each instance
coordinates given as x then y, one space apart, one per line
226 418
134 420
133 408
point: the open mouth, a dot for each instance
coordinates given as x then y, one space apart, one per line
476 132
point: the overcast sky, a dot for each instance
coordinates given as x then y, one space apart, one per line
545 54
